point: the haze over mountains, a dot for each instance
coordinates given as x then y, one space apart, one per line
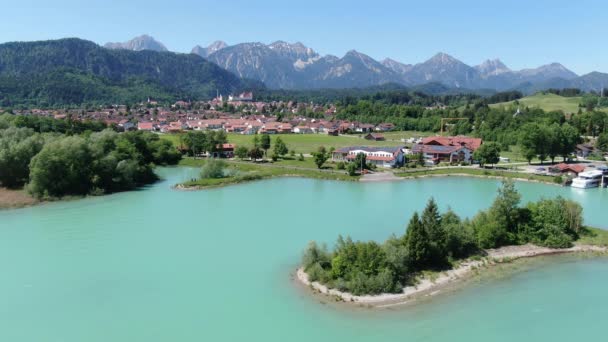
143 42
295 66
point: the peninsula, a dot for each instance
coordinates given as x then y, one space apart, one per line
441 248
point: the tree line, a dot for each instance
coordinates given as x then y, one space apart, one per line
435 241
54 163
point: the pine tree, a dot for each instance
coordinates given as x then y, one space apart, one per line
417 243
431 223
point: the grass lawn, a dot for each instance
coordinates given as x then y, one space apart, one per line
307 143
248 171
308 162
547 102
594 236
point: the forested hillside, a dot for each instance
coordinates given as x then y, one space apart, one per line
74 71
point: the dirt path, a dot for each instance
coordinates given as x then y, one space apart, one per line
15 198
379 177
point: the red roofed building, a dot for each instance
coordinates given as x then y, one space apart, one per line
145 126
470 143
448 149
379 156
374 136
224 151
569 169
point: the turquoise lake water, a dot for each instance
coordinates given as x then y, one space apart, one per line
215 265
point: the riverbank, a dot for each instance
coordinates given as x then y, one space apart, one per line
435 283
248 172
480 173
16 198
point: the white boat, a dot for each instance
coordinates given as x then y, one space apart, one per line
588 179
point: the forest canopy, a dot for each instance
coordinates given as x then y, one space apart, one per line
52 158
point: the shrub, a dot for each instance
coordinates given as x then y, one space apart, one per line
557 239
213 168
340 166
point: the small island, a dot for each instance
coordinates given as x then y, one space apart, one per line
440 248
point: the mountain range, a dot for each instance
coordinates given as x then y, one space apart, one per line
295 66
75 71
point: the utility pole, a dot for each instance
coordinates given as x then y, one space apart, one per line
361 165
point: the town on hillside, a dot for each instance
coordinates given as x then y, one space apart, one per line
240 114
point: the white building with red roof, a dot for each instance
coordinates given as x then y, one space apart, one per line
379 156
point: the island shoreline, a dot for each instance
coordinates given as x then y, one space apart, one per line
427 287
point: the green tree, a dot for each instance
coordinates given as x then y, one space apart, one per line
256 141
460 238
196 143
569 138
501 224
320 157
554 141
431 222
241 152
352 169
255 153
265 143
488 153
555 222
213 168
17 147
61 168
360 161
530 139
418 244
280 149
602 142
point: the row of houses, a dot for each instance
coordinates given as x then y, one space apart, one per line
266 125
433 149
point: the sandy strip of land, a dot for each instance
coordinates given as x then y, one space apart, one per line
477 176
427 286
15 198
379 177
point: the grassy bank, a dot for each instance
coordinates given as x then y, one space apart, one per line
594 237
247 171
547 102
476 172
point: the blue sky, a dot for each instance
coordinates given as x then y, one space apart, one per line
521 33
